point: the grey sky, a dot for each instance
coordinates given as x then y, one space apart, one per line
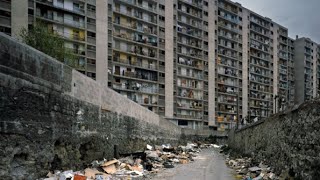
301 17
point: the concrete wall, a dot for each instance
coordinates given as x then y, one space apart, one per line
275 59
19 16
169 56
245 62
211 63
288 142
299 66
52 117
102 42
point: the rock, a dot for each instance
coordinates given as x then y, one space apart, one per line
152 154
168 165
232 163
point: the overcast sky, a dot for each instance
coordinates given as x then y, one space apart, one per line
301 17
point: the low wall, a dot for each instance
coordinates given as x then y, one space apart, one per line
288 141
52 117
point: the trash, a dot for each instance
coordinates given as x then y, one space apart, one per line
183 161
254 169
149 147
110 167
91 173
138 164
79 177
248 170
216 146
66 175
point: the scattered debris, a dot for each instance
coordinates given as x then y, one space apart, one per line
247 170
152 160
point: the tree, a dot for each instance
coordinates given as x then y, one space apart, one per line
52 44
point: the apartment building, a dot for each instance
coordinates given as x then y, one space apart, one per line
198 63
228 64
5 16
291 73
306 55
74 20
137 62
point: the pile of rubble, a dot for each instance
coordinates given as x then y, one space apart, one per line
135 166
247 170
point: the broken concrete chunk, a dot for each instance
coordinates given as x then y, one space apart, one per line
152 154
168 165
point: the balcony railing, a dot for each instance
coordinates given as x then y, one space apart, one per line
189 116
91 40
134 88
70 36
6 21
5 4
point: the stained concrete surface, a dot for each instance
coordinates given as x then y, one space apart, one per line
208 165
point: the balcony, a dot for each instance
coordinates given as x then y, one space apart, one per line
193 14
260 22
61 20
136 15
77 51
135 63
5 21
137 75
191 23
191 117
75 9
194 3
91 54
5 4
30 4
229 37
191 53
91 27
228 27
228 83
91 13
228 18
228 8
190 43
91 40
135 87
190 63
76 37
191 75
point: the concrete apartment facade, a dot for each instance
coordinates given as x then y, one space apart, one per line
80 23
306 59
198 63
